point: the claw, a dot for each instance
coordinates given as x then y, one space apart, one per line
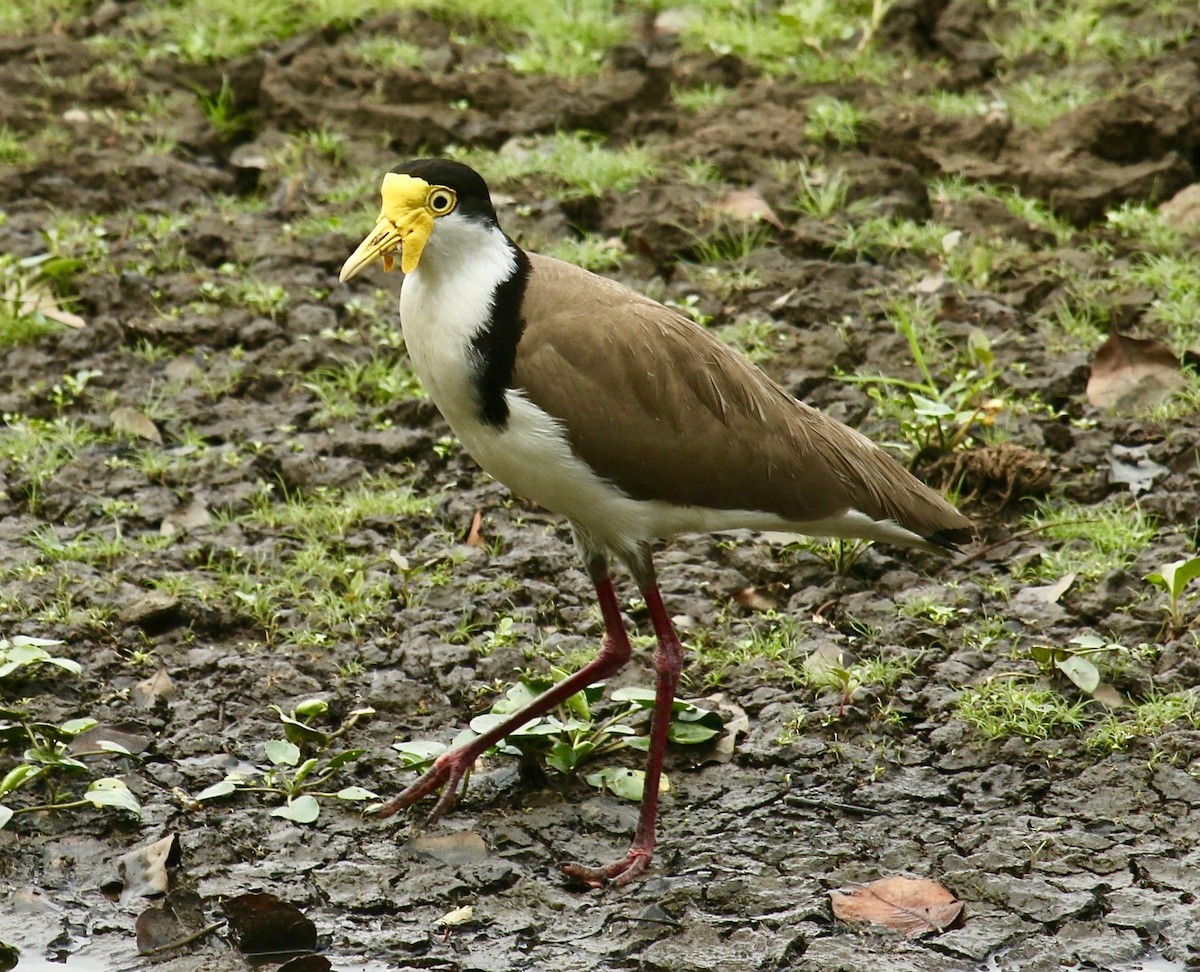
619 872
446 773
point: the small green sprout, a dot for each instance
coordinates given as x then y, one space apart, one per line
1174 579
571 735
49 756
1075 662
298 780
22 653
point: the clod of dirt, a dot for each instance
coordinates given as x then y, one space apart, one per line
915 907
151 609
1182 210
1008 467
1129 374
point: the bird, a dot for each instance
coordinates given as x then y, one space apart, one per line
625 417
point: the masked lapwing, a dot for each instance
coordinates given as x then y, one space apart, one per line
623 416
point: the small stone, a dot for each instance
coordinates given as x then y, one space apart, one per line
151 607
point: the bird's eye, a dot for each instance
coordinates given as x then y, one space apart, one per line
441 201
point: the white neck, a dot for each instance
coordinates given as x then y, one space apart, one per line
447 301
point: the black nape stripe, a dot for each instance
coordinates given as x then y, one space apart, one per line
496 345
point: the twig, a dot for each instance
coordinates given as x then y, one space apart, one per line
1020 534
794 800
186 940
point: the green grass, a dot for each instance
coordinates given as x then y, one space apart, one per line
818 40
1117 731
590 251
14 147
702 97
385 53
311 585
1037 100
834 120
1087 540
878 237
775 652
574 165
1005 707
376 383
1084 31
757 338
35 449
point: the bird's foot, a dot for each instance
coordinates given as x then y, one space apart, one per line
446 772
619 872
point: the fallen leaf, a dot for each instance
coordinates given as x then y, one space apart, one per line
913 906
1132 466
173 923
129 421
144 871
148 691
1131 373
1050 593
474 536
1108 696
459 916
40 300
755 600
737 723
306 963
110 739
464 847
748 206
189 517
262 924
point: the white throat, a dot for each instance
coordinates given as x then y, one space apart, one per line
446 302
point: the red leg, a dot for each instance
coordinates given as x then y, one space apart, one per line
668 664
448 769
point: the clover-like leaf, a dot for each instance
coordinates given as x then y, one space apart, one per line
108 791
1080 671
224 788
282 753
303 809
690 733
356 793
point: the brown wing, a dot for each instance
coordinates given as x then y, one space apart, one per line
698 424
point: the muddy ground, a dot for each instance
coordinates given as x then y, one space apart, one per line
1062 854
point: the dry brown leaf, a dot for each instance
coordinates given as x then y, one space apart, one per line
474 535
1130 373
755 599
144 870
149 690
39 300
910 905
188 517
129 421
1051 593
748 206
1108 696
